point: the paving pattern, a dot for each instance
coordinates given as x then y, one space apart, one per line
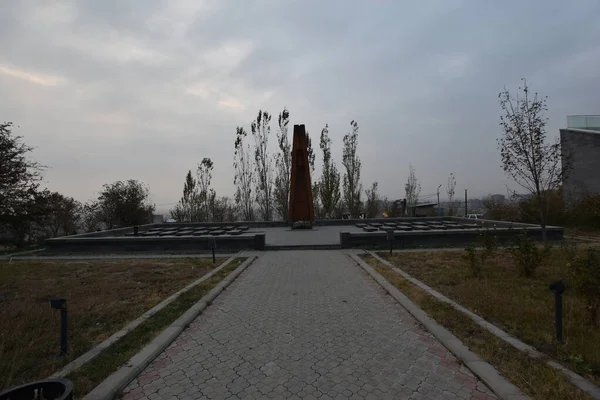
305 325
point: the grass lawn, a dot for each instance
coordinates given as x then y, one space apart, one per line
533 376
521 306
102 296
93 373
9 249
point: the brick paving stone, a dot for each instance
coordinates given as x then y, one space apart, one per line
305 325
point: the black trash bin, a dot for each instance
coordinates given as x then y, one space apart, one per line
48 389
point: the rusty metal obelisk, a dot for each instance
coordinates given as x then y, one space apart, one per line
301 206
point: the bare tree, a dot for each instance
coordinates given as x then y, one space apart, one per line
527 157
450 191
372 206
283 162
329 184
205 193
412 190
351 162
261 130
244 176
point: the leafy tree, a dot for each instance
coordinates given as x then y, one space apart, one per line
329 184
314 182
283 162
90 217
372 206
585 213
189 208
351 162
261 130
584 277
222 209
527 157
412 190
124 203
63 214
311 153
22 203
244 176
205 193
501 211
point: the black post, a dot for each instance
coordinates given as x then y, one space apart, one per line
558 288
64 345
214 244
390 237
466 203
558 300
135 230
61 304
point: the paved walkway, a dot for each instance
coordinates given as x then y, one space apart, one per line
305 324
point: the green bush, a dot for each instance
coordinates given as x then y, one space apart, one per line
476 260
569 251
585 213
473 261
489 243
527 255
584 277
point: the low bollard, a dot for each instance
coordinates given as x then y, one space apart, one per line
49 389
61 304
558 288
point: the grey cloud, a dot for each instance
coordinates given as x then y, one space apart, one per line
148 83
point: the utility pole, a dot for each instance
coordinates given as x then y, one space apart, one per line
438 193
466 203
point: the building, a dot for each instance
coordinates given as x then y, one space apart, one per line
580 143
422 210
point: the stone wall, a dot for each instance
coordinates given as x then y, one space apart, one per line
109 245
453 238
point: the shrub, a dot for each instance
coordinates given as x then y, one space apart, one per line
585 213
489 243
527 255
476 260
473 261
584 276
569 251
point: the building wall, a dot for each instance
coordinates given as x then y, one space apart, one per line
583 149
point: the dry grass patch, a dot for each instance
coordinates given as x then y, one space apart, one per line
583 235
522 306
533 376
103 296
92 374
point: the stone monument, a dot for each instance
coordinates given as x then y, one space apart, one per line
301 208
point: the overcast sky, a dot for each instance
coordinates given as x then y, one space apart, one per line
111 90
